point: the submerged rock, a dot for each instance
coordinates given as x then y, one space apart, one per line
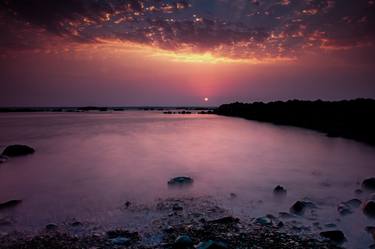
369 208
279 190
51 226
299 207
354 203
180 180
17 150
183 241
334 235
226 220
371 231
369 183
120 241
344 209
10 204
265 221
210 244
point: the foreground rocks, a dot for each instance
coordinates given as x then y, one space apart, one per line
17 150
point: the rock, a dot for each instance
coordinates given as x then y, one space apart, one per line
265 221
180 180
183 241
279 190
371 231
76 224
344 209
225 220
51 226
369 183
334 235
211 245
232 195
369 208
17 150
120 241
298 207
354 203
9 204
177 207
127 204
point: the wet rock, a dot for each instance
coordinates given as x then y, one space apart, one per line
369 183
127 204
334 235
299 207
354 203
226 220
180 180
279 190
177 207
210 244
369 208
51 226
76 224
17 150
265 221
371 231
9 204
344 209
183 241
120 241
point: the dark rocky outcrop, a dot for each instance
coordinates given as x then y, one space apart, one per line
17 150
369 183
369 208
299 207
9 204
348 118
279 190
334 235
183 241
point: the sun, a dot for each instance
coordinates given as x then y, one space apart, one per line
205 99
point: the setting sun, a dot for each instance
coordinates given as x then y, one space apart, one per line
205 99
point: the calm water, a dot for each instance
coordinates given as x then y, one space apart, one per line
88 164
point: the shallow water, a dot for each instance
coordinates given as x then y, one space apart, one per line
87 165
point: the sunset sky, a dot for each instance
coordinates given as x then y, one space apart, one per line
154 52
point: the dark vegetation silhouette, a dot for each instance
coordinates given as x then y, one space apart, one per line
354 119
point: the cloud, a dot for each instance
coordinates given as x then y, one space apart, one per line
239 29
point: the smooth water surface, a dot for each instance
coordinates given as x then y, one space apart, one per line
87 165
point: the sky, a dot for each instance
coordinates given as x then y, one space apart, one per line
179 52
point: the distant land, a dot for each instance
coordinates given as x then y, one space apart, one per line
354 119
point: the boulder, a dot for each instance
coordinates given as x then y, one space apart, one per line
9 204
265 221
369 208
369 183
17 150
210 244
51 226
180 180
279 190
183 241
334 235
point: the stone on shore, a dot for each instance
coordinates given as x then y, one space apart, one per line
183 241
210 244
180 180
334 235
369 183
9 204
299 207
369 208
279 190
17 150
